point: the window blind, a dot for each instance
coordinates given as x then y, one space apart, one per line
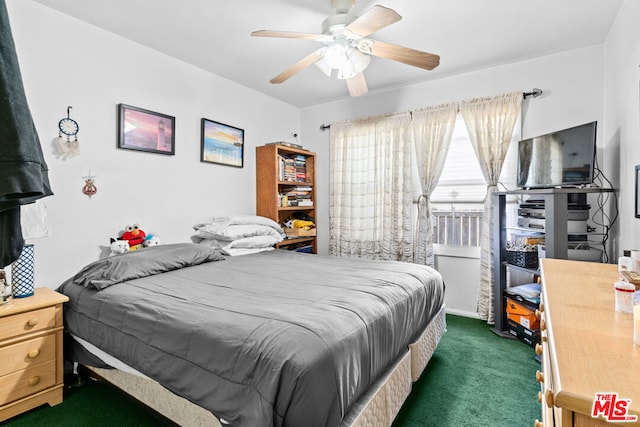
462 180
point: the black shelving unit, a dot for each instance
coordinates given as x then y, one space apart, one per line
555 231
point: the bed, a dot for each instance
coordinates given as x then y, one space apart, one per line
267 338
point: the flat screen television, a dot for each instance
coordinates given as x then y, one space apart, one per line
558 159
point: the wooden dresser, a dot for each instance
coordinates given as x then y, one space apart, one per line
587 347
31 361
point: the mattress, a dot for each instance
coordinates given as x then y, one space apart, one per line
274 338
377 407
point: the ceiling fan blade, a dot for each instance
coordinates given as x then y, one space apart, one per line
373 20
297 67
408 56
357 85
288 35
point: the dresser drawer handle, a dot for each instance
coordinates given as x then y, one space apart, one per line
33 322
538 314
549 398
539 376
538 349
33 353
538 424
540 397
33 381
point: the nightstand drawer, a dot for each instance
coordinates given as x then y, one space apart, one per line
28 381
24 323
20 356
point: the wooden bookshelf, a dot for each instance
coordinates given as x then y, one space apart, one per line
271 181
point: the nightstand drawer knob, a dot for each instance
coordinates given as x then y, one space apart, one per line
33 381
538 424
33 353
539 376
33 322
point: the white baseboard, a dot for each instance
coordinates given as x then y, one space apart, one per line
463 313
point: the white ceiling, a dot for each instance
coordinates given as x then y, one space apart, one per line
467 34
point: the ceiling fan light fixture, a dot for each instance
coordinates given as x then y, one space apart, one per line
356 64
364 45
341 60
337 54
323 66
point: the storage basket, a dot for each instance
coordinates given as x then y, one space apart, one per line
525 256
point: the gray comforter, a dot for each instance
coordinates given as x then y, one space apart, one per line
274 338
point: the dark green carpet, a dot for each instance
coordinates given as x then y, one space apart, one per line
475 378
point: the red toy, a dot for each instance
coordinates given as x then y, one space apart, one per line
134 235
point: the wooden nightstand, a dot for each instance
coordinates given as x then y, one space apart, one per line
31 372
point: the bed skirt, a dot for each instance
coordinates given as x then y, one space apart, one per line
378 407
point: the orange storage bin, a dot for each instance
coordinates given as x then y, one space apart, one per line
522 315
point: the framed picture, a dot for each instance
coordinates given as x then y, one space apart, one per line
222 144
144 130
637 191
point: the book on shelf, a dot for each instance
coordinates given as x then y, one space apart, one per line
295 196
297 191
291 168
285 168
307 249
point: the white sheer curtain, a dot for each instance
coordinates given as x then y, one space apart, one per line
490 122
370 207
433 128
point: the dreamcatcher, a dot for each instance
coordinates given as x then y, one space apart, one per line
68 145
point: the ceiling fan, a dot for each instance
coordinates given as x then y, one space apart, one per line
347 49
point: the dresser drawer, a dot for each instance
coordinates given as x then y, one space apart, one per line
23 323
20 356
28 381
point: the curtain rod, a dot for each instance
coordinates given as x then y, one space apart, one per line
535 92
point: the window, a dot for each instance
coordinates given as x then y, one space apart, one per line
457 201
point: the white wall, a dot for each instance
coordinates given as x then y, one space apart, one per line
67 62
622 115
460 269
573 94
